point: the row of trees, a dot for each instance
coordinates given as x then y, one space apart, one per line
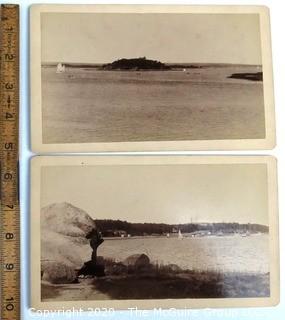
109 227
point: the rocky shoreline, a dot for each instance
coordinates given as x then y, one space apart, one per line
258 76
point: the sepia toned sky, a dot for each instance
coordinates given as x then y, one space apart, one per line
162 194
105 37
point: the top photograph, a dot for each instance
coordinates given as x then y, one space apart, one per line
150 78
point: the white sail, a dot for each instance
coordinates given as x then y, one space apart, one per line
60 68
180 235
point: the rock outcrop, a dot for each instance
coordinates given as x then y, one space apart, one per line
56 272
64 247
66 219
257 76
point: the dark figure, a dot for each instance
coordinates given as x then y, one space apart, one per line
91 267
95 241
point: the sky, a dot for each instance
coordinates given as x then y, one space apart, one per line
161 194
105 37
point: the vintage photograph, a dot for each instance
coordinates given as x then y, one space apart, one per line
150 229
148 75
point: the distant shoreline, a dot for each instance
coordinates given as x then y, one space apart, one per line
174 65
119 228
185 236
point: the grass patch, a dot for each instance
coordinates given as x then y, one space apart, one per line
157 281
184 285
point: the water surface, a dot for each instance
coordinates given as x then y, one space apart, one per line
226 254
92 105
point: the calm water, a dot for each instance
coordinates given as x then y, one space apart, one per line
229 253
89 105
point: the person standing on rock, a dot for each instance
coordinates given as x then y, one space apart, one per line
91 268
95 241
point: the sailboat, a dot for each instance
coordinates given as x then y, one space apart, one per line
180 235
60 68
246 234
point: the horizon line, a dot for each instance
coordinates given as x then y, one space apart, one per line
193 62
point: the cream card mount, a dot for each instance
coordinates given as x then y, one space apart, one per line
150 78
153 232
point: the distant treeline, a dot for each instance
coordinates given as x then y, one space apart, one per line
117 227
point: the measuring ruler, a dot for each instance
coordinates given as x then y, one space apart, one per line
9 131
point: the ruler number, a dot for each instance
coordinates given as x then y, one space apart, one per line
9 236
9 266
8 116
10 305
10 299
9 85
9 56
8 176
8 146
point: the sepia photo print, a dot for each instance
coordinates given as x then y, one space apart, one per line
122 78
154 231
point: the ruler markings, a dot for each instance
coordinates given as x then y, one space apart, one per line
9 116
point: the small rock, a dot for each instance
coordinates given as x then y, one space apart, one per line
137 260
173 267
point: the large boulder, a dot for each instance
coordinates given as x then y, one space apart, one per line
64 246
66 219
56 272
137 261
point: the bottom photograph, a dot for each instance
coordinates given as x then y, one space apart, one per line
154 232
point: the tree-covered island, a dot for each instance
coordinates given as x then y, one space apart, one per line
136 64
